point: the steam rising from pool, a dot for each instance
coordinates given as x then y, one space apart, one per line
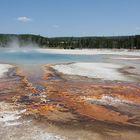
17 46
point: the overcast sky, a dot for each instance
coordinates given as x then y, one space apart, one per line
70 17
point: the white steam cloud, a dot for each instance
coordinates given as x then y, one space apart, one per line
15 44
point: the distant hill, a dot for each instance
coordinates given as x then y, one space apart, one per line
126 42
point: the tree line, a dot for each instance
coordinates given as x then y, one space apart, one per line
118 42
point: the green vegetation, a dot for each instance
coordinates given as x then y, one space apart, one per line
126 42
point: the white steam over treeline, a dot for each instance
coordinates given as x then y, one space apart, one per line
20 41
15 43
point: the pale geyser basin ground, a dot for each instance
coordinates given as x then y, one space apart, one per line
4 68
105 71
14 127
92 51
